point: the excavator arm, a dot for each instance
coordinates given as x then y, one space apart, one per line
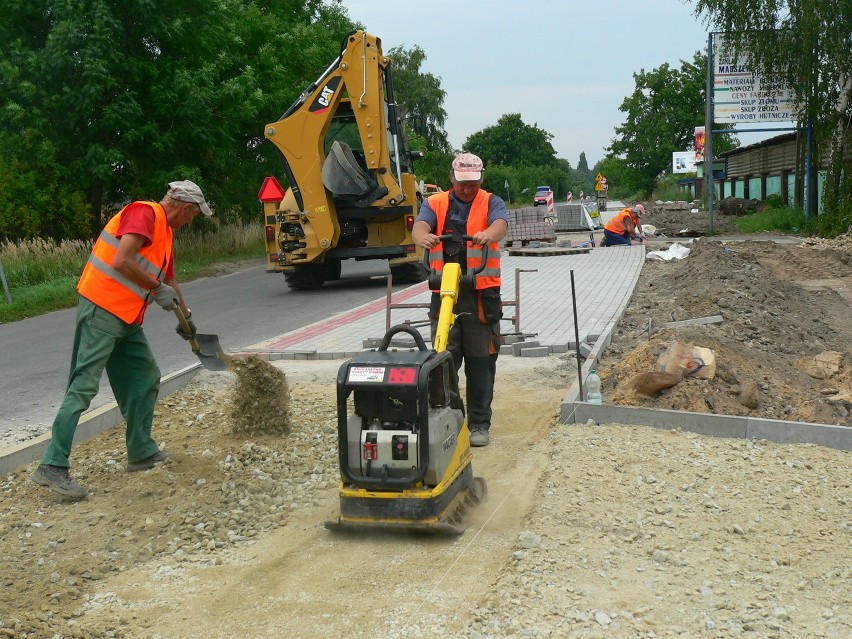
352 192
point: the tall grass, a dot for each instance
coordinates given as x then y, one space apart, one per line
32 262
42 274
195 250
783 219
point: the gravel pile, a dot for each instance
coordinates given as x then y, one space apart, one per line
638 532
217 490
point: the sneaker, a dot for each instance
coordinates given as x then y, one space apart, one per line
479 437
58 479
149 462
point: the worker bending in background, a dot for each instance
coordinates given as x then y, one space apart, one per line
475 335
131 266
624 226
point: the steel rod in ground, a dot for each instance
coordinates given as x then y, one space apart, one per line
577 338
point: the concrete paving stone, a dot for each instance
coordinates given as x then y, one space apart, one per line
536 351
519 346
506 349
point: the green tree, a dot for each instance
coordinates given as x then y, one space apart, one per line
434 167
422 96
807 43
583 166
662 113
104 101
621 177
512 142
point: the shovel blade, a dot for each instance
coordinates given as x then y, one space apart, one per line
210 352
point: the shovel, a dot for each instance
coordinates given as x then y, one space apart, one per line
205 346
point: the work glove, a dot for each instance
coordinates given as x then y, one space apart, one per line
192 329
165 296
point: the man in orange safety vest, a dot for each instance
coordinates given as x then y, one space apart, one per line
474 338
624 226
130 267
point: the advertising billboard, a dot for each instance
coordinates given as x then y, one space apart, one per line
683 162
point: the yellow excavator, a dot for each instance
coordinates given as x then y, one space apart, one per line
403 439
352 191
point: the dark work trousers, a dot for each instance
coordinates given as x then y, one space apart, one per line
611 238
476 343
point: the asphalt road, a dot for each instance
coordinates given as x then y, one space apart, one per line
242 308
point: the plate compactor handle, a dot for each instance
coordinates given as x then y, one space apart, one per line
469 278
403 328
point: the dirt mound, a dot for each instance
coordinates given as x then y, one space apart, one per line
783 305
261 399
671 219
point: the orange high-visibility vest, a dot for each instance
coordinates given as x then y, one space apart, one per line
103 285
477 221
618 223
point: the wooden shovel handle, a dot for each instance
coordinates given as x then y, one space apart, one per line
185 325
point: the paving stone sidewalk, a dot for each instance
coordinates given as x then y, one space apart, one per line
604 279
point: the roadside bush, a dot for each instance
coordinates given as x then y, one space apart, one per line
775 201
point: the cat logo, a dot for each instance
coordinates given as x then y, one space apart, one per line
322 102
325 96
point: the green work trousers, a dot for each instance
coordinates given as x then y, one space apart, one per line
101 340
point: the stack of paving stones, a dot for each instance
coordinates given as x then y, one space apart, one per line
527 225
570 217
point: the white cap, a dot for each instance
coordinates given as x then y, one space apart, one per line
187 191
467 167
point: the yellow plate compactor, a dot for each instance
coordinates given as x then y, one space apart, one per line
403 440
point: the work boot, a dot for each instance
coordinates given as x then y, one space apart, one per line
479 437
58 479
149 462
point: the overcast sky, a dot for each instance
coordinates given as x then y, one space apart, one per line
565 65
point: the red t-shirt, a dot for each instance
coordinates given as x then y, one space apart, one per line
138 218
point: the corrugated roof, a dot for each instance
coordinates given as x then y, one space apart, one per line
778 139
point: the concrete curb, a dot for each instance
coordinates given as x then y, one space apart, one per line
738 427
91 424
